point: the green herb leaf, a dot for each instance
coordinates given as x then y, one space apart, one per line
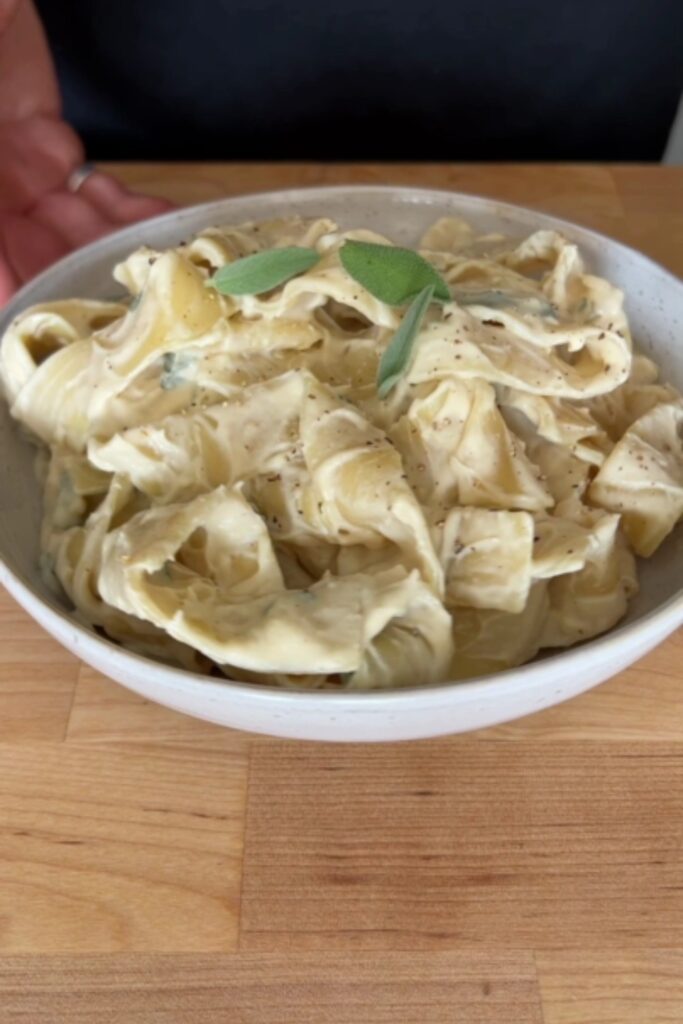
391 274
255 274
398 352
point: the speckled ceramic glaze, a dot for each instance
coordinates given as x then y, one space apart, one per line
655 308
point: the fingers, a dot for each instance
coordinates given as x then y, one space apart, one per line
28 246
38 154
58 221
77 220
115 202
72 217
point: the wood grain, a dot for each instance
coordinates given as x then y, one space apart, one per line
104 850
451 844
533 185
37 678
601 987
528 874
243 989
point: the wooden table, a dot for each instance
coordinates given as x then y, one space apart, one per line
158 869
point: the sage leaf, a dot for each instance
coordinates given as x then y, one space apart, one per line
397 354
262 271
391 274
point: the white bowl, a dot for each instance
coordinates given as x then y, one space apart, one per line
655 307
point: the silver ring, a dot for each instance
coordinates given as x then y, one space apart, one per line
78 177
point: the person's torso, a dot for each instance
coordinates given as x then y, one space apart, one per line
369 79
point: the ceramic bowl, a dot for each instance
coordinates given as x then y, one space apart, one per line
655 307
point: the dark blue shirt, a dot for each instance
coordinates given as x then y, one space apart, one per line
370 79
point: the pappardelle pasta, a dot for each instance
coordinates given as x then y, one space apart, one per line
228 489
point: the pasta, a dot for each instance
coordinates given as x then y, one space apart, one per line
227 489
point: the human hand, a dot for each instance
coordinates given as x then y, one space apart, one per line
40 218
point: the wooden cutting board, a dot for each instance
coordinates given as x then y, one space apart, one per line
158 869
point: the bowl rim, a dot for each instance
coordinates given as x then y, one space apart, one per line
597 650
